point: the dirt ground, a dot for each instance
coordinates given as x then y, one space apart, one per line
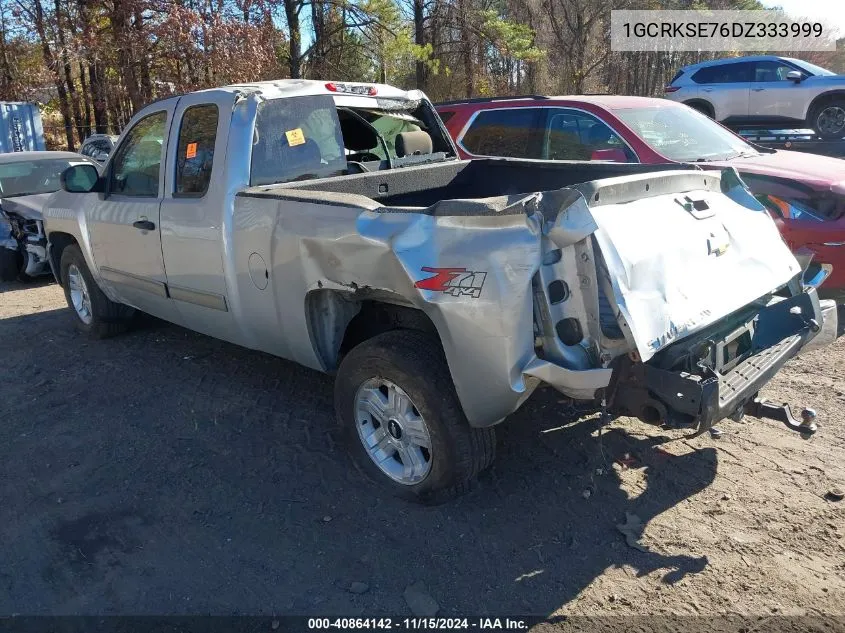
164 472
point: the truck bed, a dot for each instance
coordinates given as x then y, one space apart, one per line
427 185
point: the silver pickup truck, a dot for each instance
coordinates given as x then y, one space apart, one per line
333 224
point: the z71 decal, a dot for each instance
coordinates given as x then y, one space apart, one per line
453 281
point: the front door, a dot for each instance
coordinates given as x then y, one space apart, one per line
773 95
124 221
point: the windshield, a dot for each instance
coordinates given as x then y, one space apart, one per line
684 135
29 177
816 70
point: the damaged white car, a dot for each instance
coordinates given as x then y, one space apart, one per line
333 224
27 179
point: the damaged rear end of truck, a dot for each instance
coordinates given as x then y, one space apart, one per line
668 296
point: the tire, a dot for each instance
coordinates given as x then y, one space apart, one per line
414 363
828 119
105 317
10 264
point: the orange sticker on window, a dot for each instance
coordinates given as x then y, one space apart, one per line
191 152
295 137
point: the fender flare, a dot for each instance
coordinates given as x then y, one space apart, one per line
818 99
701 102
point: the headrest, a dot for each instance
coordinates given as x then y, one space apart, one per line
413 143
598 134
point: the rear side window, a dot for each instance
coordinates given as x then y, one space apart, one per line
195 153
296 138
508 132
724 73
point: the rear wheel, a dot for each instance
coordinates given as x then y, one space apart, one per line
828 119
95 313
398 409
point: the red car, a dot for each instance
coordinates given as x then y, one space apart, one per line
804 193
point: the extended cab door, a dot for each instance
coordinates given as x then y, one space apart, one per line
123 222
195 203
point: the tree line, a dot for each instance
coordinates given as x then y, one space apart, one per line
93 63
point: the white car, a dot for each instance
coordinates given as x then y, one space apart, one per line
764 90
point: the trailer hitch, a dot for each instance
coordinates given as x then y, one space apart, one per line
762 408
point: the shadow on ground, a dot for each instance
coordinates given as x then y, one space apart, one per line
167 472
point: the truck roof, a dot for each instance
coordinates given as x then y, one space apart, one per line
349 93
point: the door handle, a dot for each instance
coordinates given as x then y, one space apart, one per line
834 244
144 225
707 89
757 89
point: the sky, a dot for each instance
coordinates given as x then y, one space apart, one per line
830 12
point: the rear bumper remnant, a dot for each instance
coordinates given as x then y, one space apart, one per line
776 334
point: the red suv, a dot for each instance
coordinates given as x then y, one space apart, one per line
805 193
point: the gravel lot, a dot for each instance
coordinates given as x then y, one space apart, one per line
164 472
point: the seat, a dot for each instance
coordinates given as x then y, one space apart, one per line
599 135
413 144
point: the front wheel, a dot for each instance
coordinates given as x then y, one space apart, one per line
405 427
96 314
828 120
10 264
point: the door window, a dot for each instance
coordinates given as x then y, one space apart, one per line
136 166
771 71
574 135
195 153
724 74
506 132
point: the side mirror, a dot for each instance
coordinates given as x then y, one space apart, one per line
795 75
80 179
613 155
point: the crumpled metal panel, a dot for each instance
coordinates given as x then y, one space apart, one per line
471 274
681 262
474 276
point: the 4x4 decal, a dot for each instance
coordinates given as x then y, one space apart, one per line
453 281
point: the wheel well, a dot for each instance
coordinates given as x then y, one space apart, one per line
57 243
702 106
824 98
338 321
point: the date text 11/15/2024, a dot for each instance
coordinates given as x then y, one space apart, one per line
420 624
